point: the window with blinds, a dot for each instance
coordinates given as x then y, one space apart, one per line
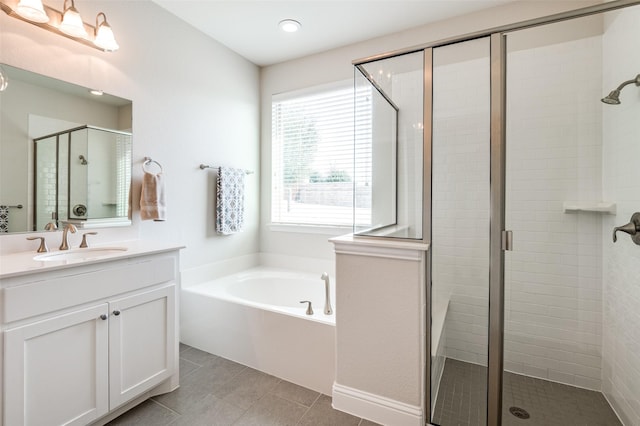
313 155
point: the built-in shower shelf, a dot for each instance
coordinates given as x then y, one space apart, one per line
595 207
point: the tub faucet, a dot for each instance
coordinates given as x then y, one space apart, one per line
327 298
65 243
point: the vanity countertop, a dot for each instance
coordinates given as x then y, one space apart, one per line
23 263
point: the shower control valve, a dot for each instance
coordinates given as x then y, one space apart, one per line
632 228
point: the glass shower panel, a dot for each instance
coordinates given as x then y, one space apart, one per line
46 179
388 147
102 176
376 146
560 202
460 233
78 173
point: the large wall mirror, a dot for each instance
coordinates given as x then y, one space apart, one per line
65 154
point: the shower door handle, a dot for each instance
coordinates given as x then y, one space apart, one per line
632 228
507 240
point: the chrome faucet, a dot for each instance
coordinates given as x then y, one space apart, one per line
65 243
327 298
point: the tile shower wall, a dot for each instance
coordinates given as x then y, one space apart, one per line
553 278
621 133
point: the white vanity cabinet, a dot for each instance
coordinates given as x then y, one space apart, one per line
57 370
83 341
141 343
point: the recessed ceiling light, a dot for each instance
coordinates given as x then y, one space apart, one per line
289 25
96 92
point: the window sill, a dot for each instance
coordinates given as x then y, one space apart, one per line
310 229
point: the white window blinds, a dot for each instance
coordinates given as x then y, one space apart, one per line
313 156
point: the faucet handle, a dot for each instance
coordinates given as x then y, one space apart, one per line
43 244
84 244
51 226
632 228
309 308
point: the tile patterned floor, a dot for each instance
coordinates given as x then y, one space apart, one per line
216 391
462 398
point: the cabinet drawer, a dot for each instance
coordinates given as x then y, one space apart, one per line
111 279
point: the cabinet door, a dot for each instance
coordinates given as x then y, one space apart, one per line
56 370
142 343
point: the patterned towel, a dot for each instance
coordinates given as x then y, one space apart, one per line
230 200
4 218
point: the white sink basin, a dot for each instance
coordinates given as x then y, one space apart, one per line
79 254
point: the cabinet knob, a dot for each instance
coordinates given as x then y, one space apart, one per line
116 312
103 317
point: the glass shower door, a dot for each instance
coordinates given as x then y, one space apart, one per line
460 238
569 181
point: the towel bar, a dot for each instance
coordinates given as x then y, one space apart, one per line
149 160
206 166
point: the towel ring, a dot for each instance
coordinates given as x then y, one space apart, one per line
149 160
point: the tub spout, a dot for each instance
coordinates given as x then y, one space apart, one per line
327 297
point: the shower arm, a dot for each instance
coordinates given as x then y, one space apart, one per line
635 80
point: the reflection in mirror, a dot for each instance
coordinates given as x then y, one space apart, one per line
46 125
70 188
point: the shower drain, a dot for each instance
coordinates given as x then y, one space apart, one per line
520 413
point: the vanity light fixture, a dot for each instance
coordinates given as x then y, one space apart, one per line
67 23
32 10
96 92
104 37
289 25
72 21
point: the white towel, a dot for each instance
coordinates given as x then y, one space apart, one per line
152 202
230 200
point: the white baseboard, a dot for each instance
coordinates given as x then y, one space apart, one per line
376 408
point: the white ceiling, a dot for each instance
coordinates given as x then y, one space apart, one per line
250 27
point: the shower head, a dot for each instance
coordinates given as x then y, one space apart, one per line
613 98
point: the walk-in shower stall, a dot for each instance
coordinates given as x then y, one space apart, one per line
515 153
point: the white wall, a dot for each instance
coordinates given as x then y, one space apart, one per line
194 101
335 65
621 173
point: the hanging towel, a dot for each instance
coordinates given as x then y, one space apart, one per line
152 203
4 218
230 200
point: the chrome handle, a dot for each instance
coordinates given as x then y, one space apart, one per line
116 312
632 228
309 308
43 244
103 317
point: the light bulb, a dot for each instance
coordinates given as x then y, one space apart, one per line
289 25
